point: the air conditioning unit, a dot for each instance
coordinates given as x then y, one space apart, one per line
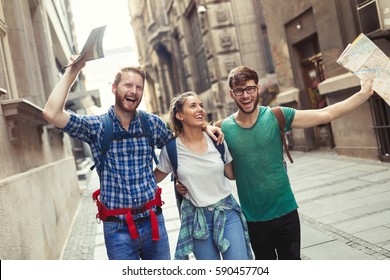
374 15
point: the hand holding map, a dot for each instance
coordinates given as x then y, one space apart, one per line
365 60
93 48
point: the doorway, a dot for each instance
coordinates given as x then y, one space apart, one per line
312 67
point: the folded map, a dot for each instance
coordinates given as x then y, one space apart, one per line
93 47
364 59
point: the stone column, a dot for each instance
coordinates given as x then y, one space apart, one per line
24 54
45 46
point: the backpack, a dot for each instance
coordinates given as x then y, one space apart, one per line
109 135
172 155
282 122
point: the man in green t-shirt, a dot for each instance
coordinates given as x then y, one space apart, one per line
252 134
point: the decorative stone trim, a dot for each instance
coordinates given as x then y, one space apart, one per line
20 111
337 83
288 96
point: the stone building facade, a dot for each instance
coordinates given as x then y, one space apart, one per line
293 45
307 38
39 192
186 49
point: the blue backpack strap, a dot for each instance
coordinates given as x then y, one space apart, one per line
107 138
146 128
172 155
221 149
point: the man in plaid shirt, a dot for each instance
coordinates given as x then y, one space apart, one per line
126 177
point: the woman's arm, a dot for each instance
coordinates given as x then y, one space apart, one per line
159 175
229 172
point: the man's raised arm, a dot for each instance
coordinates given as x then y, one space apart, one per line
54 111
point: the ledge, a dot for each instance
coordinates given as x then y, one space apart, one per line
337 83
19 111
288 96
158 36
3 91
22 110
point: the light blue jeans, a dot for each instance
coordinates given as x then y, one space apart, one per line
120 245
233 231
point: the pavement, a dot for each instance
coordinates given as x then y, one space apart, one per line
344 207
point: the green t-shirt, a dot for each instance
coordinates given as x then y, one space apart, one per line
262 181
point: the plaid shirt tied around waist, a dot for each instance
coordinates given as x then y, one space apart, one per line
194 225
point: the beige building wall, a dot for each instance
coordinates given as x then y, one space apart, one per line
39 193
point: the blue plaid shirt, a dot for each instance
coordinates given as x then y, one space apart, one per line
127 180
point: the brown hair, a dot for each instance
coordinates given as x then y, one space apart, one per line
177 104
136 69
240 75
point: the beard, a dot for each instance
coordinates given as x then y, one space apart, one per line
124 105
250 111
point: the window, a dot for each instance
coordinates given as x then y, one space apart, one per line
203 77
368 14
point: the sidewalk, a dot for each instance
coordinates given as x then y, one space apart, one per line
344 206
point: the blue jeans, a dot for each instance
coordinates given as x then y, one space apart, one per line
120 245
233 231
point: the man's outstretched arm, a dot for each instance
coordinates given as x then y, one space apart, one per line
310 118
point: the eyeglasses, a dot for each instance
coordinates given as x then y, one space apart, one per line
240 91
